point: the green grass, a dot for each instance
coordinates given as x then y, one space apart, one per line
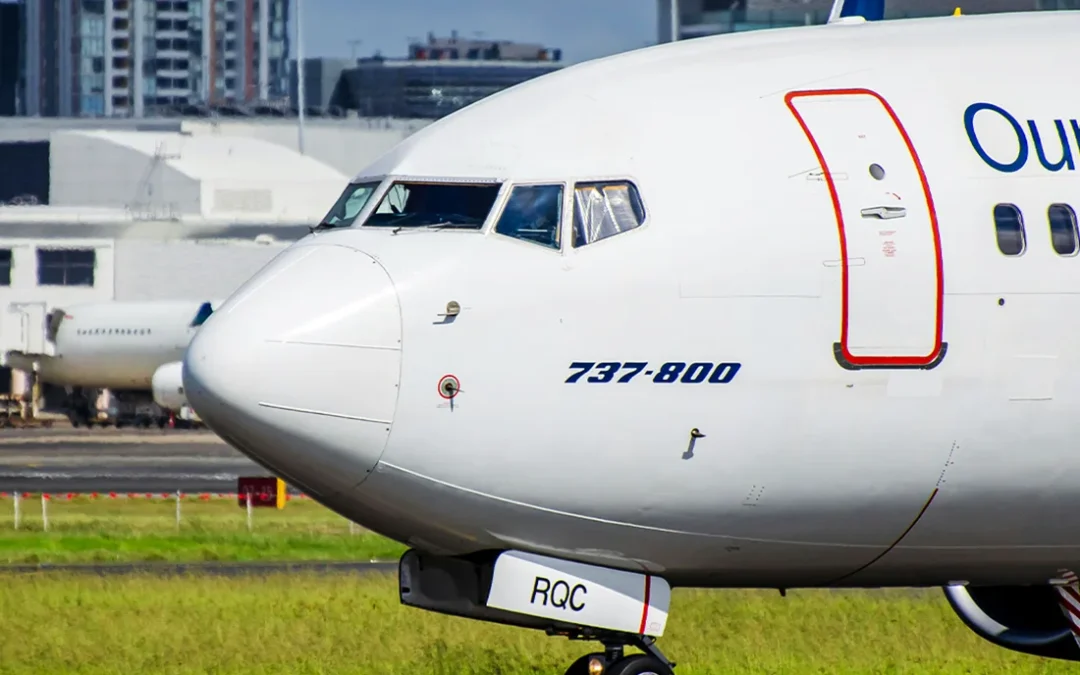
305 623
135 530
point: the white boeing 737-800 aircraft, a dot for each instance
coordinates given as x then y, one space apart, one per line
789 308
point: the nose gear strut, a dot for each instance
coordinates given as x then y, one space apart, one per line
613 661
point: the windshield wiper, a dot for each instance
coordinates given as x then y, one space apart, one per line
432 226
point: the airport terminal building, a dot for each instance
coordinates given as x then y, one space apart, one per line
94 212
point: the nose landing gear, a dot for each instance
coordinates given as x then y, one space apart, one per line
502 589
612 661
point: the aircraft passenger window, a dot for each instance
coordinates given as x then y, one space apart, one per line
1010 229
533 213
349 205
1063 233
5 267
602 210
407 204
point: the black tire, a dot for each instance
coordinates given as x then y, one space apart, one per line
581 666
638 664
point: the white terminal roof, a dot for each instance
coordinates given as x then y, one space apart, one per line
220 157
95 221
173 176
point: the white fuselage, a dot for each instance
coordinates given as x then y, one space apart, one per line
118 345
903 410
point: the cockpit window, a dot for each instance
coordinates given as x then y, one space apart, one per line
205 310
349 205
602 210
533 213
408 204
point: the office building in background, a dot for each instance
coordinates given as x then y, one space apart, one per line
699 18
122 58
437 77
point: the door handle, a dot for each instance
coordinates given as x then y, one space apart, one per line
884 212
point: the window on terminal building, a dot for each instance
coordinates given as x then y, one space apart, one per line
533 213
602 210
5 266
65 266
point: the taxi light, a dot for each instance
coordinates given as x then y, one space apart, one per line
596 666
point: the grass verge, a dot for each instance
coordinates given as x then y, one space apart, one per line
348 624
85 530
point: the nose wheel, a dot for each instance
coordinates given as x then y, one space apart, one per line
638 664
612 661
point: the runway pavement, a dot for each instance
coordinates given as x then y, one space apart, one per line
208 568
127 460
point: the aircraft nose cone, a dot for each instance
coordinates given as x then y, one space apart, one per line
299 368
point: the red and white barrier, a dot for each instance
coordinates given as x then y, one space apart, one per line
201 496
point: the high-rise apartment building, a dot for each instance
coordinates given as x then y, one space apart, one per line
127 57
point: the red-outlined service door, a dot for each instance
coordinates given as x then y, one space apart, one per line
890 248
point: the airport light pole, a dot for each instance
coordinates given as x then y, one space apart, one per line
674 20
300 77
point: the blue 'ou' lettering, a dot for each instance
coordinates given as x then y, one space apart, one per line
969 126
1066 149
1065 159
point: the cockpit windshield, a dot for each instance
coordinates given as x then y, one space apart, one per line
349 205
411 204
